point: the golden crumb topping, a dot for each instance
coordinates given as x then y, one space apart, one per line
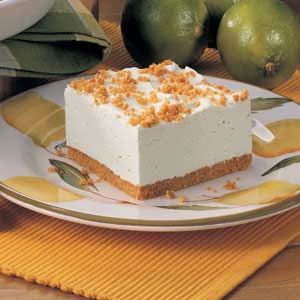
211 189
52 170
160 93
230 185
182 199
59 152
170 194
84 171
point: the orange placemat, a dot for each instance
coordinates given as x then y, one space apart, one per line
118 265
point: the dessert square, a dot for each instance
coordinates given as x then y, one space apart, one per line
147 131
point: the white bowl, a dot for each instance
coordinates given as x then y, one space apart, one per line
18 15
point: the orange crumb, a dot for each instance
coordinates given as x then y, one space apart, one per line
141 100
236 97
144 78
157 69
187 110
182 199
148 118
213 100
90 181
84 171
120 103
134 121
191 74
223 100
170 194
122 88
222 88
244 95
52 169
84 182
153 97
230 185
211 189
59 152
171 112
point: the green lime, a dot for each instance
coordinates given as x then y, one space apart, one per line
155 30
258 42
216 9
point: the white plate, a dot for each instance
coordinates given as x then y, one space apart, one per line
18 15
26 180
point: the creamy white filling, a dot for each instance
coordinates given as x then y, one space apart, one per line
146 155
96 131
202 139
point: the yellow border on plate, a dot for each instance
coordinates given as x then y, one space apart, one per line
245 217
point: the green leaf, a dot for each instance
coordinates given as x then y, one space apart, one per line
193 207
282 164
71 175
259 104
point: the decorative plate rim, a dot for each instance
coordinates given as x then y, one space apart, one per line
151 225
229 220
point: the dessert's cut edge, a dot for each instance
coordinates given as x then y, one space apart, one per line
160 187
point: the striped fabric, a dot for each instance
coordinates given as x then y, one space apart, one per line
118 265
68 40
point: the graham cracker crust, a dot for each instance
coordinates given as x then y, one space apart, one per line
160 187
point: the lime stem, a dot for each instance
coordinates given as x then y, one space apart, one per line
270 69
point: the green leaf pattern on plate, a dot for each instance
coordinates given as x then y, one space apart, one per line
71 175
193 207
282 164
259 104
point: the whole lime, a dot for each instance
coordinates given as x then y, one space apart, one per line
258 42
216 10
155 30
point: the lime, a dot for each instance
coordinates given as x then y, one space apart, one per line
155 30
258 42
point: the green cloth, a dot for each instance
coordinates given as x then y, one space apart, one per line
67 41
